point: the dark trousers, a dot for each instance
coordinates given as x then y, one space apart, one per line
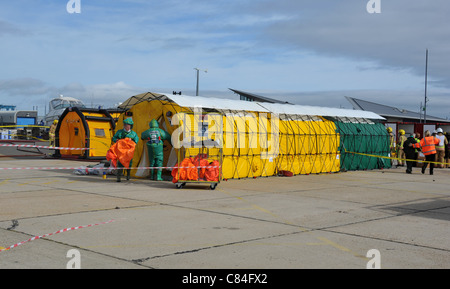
429 158
411 159
409 166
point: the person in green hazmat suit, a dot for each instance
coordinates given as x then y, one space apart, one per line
126 132
155 138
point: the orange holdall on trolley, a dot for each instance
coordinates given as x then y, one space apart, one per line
212 172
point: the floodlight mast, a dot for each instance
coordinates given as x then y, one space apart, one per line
426 81
198 69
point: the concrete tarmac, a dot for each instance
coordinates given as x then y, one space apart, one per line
380 218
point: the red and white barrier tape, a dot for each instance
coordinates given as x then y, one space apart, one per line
57 232
46 168
105 168
45 147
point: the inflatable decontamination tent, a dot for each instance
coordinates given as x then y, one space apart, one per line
90 129
256 139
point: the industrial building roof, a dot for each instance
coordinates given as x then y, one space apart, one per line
253 97
389 111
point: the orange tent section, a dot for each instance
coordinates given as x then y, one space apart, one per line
122 151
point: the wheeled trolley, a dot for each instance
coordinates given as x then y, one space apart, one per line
200 156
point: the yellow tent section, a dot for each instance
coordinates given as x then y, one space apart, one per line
308 145
256 139
91 129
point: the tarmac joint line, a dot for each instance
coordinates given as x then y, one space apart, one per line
324 240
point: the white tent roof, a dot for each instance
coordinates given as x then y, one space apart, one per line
223 104
216 103
239 105
319 111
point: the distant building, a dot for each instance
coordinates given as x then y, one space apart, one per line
246 96
392 114
7 107
411 122
18 117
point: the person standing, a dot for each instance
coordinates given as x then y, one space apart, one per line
447 151
410 152
126 132
428 146
400 151
391 144
440 148
52 133
155 138
417 137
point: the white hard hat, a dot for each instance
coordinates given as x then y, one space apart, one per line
439 130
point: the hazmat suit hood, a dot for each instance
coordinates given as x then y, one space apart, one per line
154 124
129 121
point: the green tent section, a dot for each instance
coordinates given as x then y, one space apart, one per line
359 139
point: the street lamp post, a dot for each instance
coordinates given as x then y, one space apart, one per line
198 70
426 82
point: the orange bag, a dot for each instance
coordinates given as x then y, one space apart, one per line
212 173
122 151
189 170
202 171
175 174
186 172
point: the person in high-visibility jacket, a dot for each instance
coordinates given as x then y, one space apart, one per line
417 137
428 146
440 148
52 133
400 151
391 143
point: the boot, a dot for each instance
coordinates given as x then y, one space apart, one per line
158 175
119 173
152 172
128 174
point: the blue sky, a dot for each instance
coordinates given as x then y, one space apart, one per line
311 52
